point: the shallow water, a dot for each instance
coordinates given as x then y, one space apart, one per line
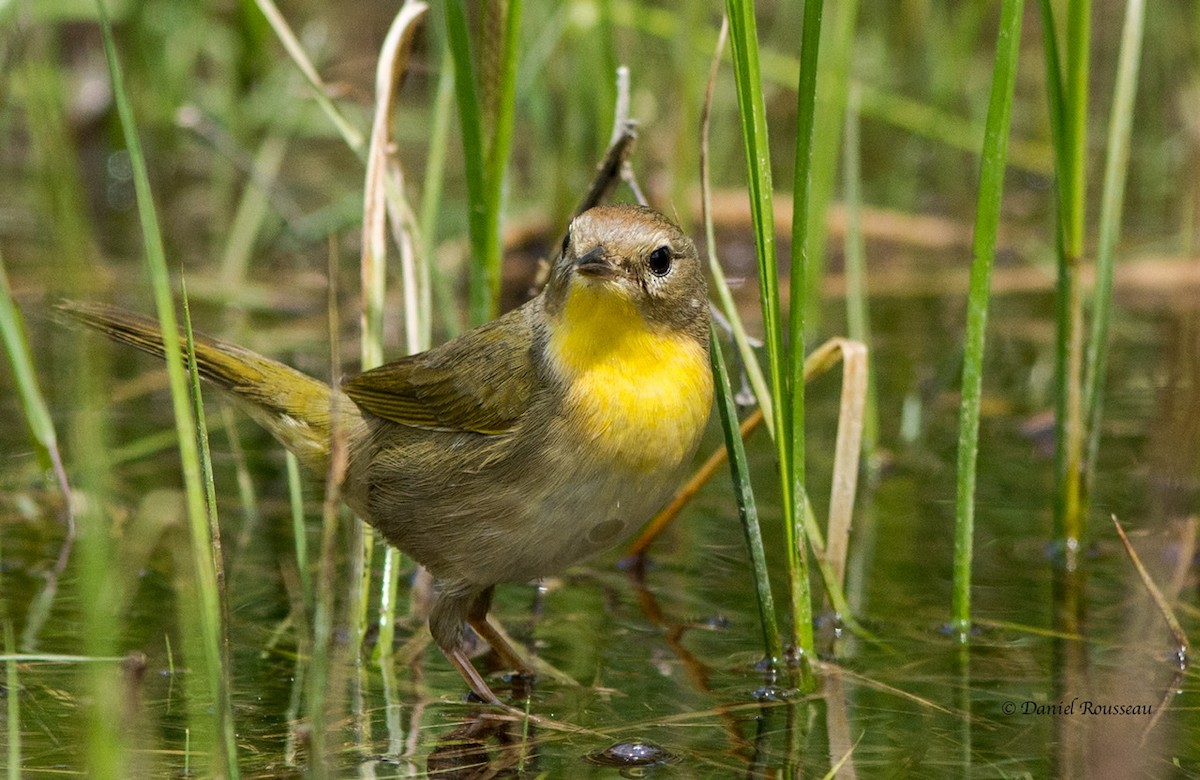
673 660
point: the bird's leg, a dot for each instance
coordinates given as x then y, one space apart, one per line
451 605
491 633
469 673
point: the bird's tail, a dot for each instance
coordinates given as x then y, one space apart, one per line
292 406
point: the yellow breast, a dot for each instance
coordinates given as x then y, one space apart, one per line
640 396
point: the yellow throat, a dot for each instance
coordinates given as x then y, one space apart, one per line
643 396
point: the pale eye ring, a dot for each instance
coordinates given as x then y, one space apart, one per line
660 261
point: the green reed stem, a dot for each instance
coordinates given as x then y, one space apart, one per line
213 540
39 81
432 181
802 186
210 628
1076 91
107 747
832 88
1066 286
750 364
324 683
858 320
1072 193
987 221
249 216
33 405
247 495
1052 62
747 508
740 471
497 156
210 489
485 166
37 417
299 534
255 202
1120 134
806 110
470 116
888 107
108 744
743 36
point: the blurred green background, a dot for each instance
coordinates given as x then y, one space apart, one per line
255 191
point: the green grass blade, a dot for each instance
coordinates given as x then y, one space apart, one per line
832 88
254 204
1055 100
324 684
1079 41
350 134
37 417
747 508
498 152
758 382
470 116
1056 107
806 111
734 445
16 343
206 471
1072 190
210 628
1120 134
752 112
743 36
431 194
64 658
247 495
108 743
213 540
858 320
299 533
880 104
987 221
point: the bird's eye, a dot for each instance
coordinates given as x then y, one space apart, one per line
566 243
660 261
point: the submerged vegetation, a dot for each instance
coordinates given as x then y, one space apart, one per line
998 202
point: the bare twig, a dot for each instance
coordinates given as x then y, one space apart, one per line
384 178
1159 600
614 166
1181 640
848 448
609 171
291 44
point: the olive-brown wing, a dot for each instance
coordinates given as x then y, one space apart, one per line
481 382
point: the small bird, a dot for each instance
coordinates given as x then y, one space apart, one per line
520 447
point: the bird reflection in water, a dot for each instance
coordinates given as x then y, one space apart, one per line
484 747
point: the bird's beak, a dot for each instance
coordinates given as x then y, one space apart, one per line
595 263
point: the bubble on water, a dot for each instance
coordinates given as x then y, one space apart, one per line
633 753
